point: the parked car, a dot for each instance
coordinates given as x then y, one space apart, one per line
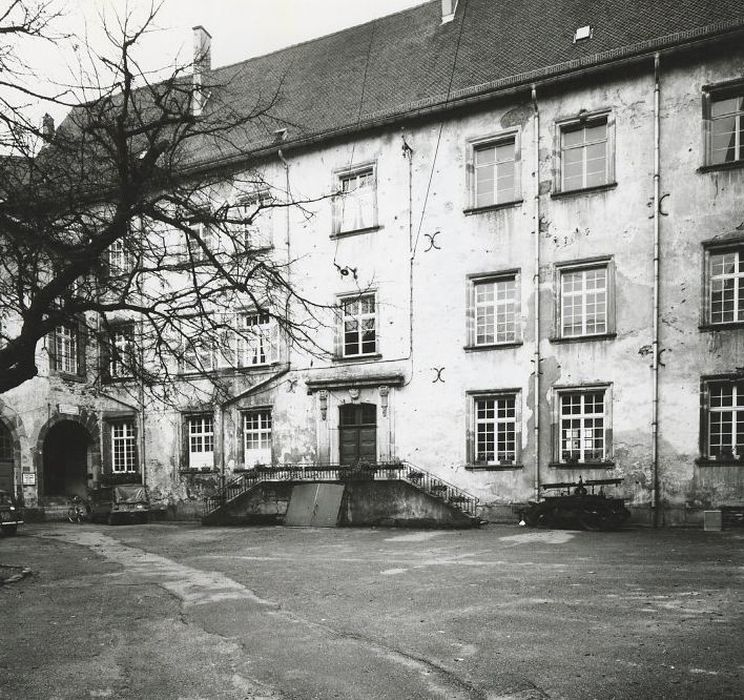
11 513
119 504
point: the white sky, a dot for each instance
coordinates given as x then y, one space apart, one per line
239 28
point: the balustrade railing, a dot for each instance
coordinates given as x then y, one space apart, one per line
380 471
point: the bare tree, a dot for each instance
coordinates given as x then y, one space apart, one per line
136 225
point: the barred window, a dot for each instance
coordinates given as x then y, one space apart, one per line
583 425
496 429
723 418
123 447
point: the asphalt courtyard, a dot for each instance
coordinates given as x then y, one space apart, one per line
183 611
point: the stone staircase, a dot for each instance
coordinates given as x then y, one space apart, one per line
449 495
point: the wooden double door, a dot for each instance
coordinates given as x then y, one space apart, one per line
357 433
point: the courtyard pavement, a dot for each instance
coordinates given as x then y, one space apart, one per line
183 611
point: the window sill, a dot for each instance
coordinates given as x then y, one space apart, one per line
729 326
225 371
584 338
67 376
492 346
584 190
355 232
492 207
727 462
358 358
198 470
492 467
733 165
582 465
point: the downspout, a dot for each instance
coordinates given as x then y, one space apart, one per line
288 244
536 293
655 354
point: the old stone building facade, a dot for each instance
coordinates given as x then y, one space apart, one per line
535 268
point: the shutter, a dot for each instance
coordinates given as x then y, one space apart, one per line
106 466
82 346
338 338
611 146
706 127
273 341
52 350
470 314
185 442
104 345
337 204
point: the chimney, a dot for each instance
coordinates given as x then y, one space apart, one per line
47 127
448 10
202 66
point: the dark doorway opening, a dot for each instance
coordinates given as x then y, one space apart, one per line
358 433
66 460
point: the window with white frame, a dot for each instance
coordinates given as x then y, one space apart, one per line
198 354
496 429
586 158
65 352
723 419
120 349
256 215
495 172
725 284
583 424
203 235
358 326
123 447
200 437
119 258
724 122
257 437
494 309
585 300
255 344
355 205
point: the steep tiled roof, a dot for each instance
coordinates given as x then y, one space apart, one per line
399 62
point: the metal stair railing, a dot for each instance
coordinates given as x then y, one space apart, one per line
424 481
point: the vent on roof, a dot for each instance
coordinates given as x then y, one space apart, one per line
583 33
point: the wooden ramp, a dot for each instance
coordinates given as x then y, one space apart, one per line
314 505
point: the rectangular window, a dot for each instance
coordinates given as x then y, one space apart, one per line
119 258
583 425
123 447
256 215
66 349
494 310
201 441
355 205
585 300
257 437
723 419
725 272
496 429
585 153
724 115
120 349
358 323
495 172
202 235
254 336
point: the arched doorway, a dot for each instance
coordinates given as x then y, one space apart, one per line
358 433
6 459
66 459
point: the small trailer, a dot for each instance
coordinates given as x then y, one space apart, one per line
578 504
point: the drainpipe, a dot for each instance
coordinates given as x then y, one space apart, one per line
655 356
287 243
536 293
